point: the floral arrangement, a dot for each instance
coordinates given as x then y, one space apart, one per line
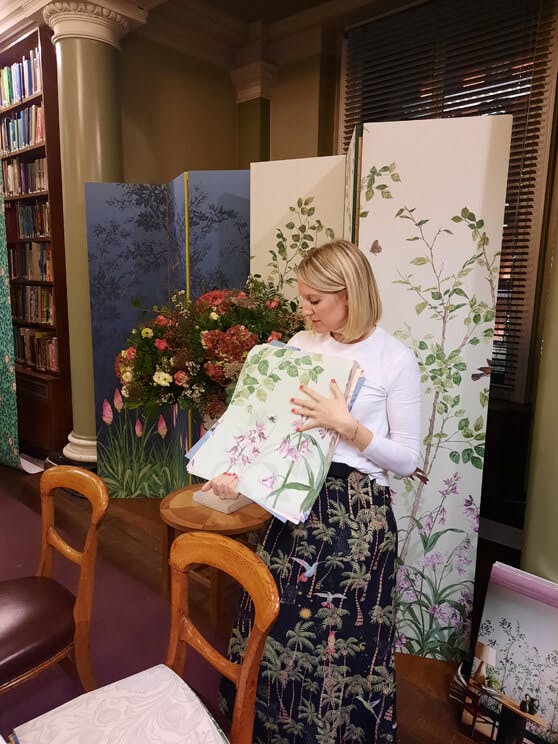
191 352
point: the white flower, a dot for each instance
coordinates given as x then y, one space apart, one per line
124 391
127 375
162 378
214 315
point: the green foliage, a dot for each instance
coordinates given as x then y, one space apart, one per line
377 181
140 462
294 240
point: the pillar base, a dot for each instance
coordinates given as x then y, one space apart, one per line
80 449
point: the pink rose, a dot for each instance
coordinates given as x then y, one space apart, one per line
272 304
274 336
130 353
161 344
160 320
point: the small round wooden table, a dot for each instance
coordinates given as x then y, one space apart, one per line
181 513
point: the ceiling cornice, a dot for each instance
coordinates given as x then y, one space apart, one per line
196 29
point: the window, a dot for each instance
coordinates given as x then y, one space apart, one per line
445 58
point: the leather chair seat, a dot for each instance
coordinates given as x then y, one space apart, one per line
36 622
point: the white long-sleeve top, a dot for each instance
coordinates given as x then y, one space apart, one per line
388 404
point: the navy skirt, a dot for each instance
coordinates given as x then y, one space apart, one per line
327 674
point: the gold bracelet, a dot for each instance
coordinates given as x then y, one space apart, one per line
352 439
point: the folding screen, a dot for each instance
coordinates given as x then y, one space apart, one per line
425 201
429 216
145 243
9 445
294 204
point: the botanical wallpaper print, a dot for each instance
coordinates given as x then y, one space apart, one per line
9 445
522 631
437 268
278 467
294 204
128 258
327 674
218 230
137 237
294 239
142 454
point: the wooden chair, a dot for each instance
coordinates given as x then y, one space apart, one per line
156 704
41 621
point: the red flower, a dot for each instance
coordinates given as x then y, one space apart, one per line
161 344
160 320
274 336
180 377
215 299
271 304
130 353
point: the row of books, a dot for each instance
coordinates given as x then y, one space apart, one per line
21 79
33 304
32 261
25 221
36 349
22 129
24 177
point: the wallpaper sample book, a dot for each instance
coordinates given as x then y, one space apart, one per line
277 466
519 627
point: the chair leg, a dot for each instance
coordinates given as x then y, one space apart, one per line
82 662
169 534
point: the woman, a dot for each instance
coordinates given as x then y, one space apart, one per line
328 668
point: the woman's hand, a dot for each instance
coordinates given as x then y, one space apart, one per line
329 413
225 486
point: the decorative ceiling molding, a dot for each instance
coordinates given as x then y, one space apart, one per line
195 28
253 80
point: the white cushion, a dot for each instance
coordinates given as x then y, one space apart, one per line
154 706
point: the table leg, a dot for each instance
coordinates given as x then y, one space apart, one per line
168 537
511 727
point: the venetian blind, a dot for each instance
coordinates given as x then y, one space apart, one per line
445 58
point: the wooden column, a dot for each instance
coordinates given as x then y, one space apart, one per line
253 84
86 40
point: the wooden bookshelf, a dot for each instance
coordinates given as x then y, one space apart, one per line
32 186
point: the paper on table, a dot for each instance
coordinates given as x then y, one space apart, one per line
278 467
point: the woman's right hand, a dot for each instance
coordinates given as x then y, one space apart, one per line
225 486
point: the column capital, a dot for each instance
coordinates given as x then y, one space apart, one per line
104 21
253 80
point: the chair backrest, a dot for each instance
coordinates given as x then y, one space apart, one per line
95 491
238 561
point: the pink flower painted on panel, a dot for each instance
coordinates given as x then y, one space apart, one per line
160 344
117 400
107 412
138 428
162 426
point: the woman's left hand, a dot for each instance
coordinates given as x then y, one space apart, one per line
329 413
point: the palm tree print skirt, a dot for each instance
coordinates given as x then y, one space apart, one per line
328 669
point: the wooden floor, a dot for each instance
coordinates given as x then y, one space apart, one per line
131 537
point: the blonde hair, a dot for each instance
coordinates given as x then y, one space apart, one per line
340 265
